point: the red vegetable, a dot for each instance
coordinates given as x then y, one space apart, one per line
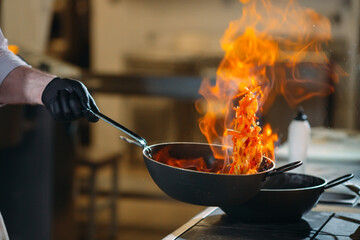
249 144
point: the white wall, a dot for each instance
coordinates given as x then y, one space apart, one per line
120 27
166 27
26 22
127 26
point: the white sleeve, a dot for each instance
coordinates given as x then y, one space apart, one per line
8 60
3 233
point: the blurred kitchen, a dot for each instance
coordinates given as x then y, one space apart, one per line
143 62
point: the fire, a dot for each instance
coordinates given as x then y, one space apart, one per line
263 52
197 164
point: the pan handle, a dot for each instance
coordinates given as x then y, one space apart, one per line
285 168
339 180
139 141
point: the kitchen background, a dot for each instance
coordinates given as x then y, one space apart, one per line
143 62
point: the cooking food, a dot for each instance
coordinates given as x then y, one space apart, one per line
249 149
197 187
205 188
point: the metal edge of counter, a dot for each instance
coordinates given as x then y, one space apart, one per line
192 222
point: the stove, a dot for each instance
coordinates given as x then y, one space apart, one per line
213 224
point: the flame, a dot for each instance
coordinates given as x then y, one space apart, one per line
264 52
198 164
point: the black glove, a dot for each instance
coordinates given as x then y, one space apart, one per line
68 100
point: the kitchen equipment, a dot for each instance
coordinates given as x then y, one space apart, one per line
356 189
299 139
212 223
283 198
338 198
196 187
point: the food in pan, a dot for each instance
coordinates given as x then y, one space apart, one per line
252 145
249 145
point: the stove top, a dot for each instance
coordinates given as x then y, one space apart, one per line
314 225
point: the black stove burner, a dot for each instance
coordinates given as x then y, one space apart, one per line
314 225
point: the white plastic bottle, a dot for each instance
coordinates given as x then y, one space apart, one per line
299 139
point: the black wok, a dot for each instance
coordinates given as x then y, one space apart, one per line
283 198
197 187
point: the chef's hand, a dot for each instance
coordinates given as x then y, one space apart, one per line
67 100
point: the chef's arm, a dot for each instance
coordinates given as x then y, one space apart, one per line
64 98
24 85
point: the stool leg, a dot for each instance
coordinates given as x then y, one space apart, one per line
114 201
92 207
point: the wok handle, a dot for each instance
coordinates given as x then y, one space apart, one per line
339 180
139 141
285 168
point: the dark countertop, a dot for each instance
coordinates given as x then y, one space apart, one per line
212 223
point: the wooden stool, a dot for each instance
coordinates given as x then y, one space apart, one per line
95 166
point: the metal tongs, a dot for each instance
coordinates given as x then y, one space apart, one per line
356 189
